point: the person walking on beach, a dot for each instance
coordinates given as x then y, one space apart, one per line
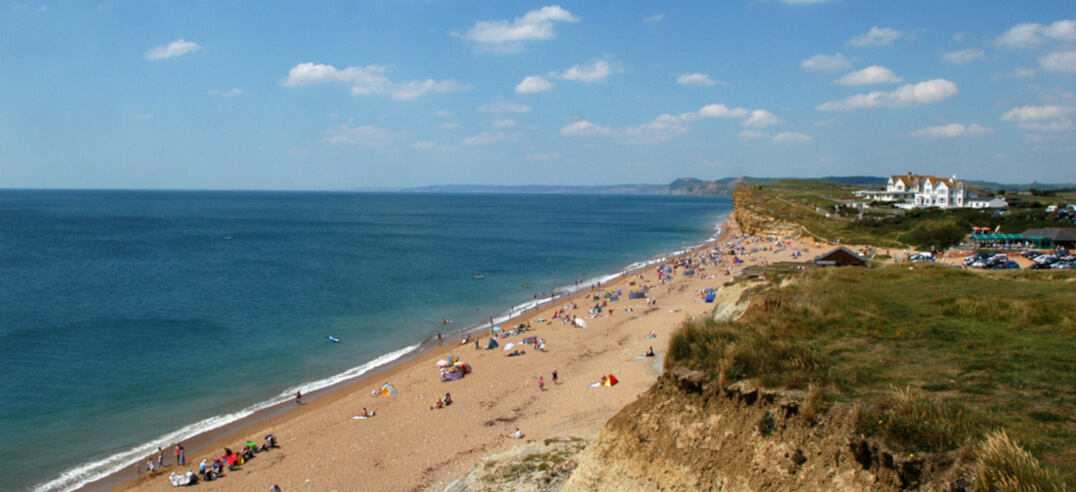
298 397
541 383
176 452
160 457
554 375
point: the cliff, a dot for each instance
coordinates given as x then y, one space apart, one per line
686 433
753 219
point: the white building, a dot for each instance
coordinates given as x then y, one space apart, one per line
924 191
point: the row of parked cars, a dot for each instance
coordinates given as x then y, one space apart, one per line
990 261
1059 259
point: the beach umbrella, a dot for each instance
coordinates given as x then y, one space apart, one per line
497 328
508 346
442 363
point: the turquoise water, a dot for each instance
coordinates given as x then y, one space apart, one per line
130 320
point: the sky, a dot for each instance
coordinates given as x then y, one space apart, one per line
266 95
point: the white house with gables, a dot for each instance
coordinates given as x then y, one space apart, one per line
924 191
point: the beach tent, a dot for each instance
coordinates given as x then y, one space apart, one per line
492 344
508 346
580 323
386 391
442 363
610 381
530 340
710 297
496 328
465 368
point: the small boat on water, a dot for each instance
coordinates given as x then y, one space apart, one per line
333 339
478 277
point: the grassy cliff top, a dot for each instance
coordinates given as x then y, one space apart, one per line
938 357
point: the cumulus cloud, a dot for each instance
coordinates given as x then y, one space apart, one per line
502 106
962 57
448 125
584 128
696 79
1033 113
930 91
952 130
1030 35
371 80
533 85
761 118
874 74
752 134
175 48
722 111
792 137
661 129
481 139
654 18
877 36
1062 61
363 136
1049 118
509 37
226 93
589 73
504 123
826 63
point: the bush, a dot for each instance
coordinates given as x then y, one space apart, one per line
911 423
1002 465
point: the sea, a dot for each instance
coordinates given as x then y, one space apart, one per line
136 319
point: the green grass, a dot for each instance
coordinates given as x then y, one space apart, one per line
970 352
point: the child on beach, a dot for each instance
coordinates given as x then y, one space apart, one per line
541 383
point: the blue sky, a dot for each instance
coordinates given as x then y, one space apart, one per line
347 95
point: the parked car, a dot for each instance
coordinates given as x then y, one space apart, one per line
1031 254
976 257
921 257
1008 265
1064 265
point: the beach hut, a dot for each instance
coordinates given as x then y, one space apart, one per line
386 391
840 256
492 344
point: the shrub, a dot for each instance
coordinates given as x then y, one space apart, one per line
1002 465
912 423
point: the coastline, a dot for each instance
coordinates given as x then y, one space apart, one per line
272 414
408 446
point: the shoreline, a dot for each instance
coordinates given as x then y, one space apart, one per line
122 478
411 448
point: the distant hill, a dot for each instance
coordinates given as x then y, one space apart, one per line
623 189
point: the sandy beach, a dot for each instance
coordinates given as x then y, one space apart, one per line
408 446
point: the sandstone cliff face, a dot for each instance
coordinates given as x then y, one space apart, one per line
683 434
756 222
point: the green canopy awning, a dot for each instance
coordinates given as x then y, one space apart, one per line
997 237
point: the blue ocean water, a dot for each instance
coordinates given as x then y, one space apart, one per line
130 320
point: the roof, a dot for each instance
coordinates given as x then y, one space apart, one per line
840 248
998 237
1054 233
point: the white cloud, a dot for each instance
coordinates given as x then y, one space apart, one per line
960 37
1035 113
504 123
501 106
761 118
534 84
175 48
26 9
1062 61
753 134
877 36
371 80
930 91
1060 125
542 157
826 63
448 125
1030 35
722 111
962 57
661 129
1018 73
952 130
589 73
363 136
481 139
226 93
696 79
584 128
510 37
432 146
874 74
654 18
792 137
